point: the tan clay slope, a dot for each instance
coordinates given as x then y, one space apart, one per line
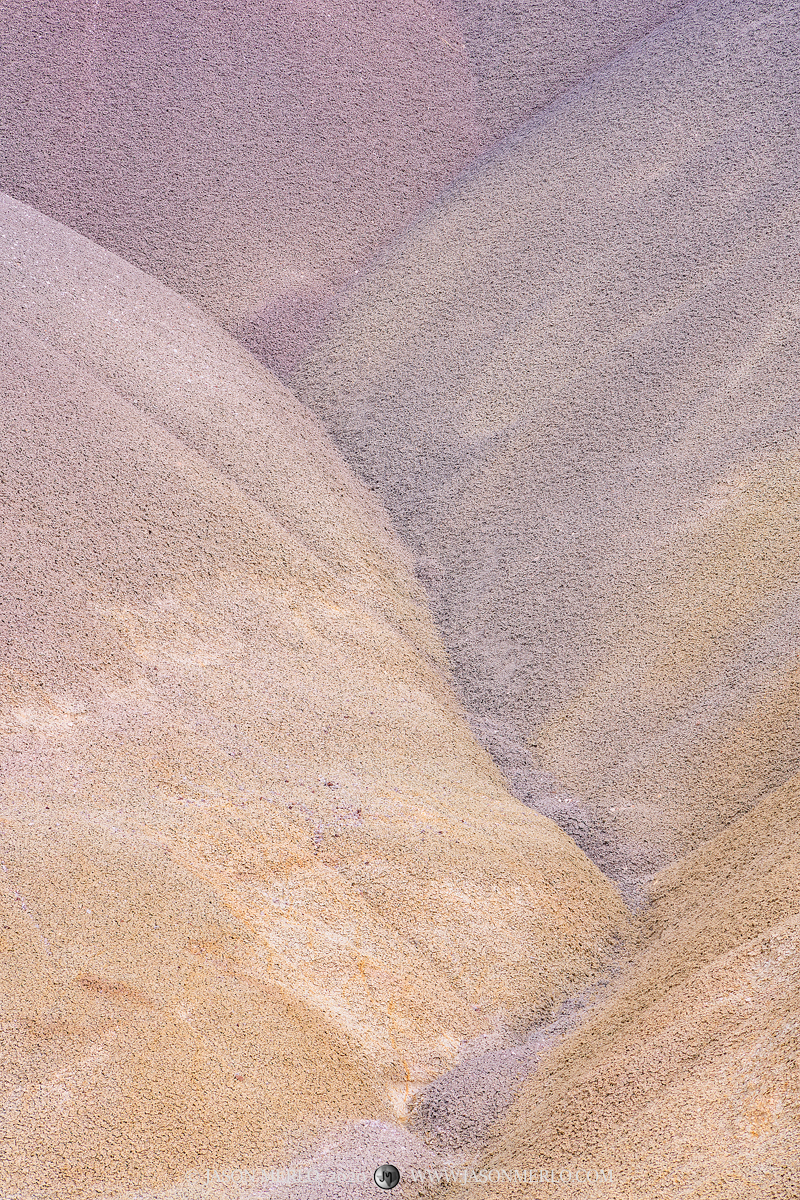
687 1084
252 156
586 349
255 871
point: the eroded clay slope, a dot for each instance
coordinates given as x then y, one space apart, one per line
256 874
524 55
687 1082
252 156
573 383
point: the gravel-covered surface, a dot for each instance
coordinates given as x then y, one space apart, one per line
403 768
253 156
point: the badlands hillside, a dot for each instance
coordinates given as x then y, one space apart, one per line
400 599
573 382
257 875
253 155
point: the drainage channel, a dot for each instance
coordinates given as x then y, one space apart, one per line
450 1118
446 1131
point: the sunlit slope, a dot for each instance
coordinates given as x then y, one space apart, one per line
256 873
583 354
687 1084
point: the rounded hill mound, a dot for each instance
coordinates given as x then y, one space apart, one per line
257 876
